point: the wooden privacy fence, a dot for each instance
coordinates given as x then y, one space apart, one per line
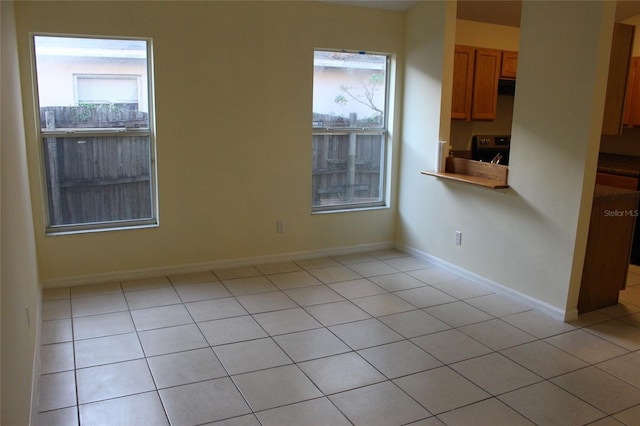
96 178
346 168
94 116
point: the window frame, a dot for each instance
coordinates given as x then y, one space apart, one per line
150 132
383 130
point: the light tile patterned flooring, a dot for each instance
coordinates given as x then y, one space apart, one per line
376 338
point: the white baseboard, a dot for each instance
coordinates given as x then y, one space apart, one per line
37 364
555 312
216 264
551 310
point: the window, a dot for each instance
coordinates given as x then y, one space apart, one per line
96 128
107 89
349 130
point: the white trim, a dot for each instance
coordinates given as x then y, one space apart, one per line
551 310
144 93
36 368
385 164
571 314
216 264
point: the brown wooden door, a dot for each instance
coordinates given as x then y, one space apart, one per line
463 64
620 60
632 105
606 261
509 64
485 84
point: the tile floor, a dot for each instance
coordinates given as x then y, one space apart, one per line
368 339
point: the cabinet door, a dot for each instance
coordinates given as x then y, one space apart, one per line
617 81
463 61
632 101
606 260
485 84
509 64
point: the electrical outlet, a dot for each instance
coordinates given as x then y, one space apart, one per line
458 238
280 226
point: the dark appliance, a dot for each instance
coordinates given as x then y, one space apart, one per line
506 87
491 148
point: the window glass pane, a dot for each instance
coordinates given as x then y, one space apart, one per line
98 179
349 130
97 141
347 169
349 90
90 82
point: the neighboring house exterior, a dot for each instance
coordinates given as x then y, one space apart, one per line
345 87
71 74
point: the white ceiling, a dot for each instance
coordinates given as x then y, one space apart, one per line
501 12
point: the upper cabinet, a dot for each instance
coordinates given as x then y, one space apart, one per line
509 64
632 101
485 84
619 65
463 65
476 72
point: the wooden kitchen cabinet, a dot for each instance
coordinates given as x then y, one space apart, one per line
606 262
619 64
476 72
509 64
632 101
485 84
617 181
463 64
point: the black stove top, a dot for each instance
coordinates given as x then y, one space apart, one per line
482 142
490 148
